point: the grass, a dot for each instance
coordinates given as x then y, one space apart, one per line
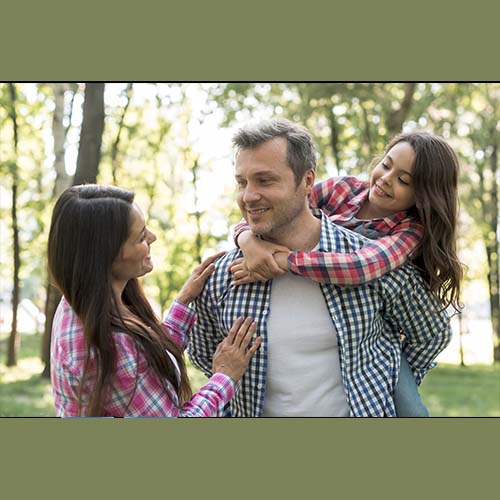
454 391
23 393
448 390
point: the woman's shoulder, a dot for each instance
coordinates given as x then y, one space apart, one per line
68 341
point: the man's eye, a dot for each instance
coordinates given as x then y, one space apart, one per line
386 167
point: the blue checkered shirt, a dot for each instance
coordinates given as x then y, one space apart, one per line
369 321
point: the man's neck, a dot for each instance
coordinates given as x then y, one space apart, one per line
302 234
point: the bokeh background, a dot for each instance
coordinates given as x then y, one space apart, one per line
171 144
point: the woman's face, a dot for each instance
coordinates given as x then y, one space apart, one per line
391 183
134 259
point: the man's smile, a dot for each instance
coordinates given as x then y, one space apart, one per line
256 211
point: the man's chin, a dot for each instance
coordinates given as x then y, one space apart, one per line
258 229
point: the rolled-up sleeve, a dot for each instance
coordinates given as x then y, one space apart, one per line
415 312
178 321
139 392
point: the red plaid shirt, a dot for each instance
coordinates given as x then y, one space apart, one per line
394 238
136 389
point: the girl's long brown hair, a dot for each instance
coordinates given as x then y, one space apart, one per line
435 180
89 226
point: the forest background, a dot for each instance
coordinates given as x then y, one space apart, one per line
170 143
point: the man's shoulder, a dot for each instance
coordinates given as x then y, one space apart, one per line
338 238
220 279
222 262
405 279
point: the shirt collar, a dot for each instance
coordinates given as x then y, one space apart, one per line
395 219
328 230
356 201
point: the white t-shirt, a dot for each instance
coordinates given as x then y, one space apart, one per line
303 367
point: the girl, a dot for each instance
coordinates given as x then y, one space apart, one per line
110 355
409 208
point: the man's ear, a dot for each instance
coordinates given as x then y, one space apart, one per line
309 178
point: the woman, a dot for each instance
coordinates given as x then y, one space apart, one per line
110 355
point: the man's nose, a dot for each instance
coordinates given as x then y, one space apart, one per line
250 194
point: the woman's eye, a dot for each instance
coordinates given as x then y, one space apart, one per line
385 167
404 182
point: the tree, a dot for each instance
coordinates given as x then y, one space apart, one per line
89 150
87 167
62 182
471 112
121 122
351 122
486 139
13 340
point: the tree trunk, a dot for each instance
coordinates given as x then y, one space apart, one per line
87 165
334 140
461 333
89 150
493 283
396 119
366 132
114 148
62 182
197 213
13 338
493 258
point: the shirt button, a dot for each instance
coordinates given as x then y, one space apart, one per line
259 386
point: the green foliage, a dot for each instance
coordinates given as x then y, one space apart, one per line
161 141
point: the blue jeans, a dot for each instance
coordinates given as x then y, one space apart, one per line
406 397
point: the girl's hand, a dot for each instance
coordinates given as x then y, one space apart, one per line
195 283
259 263
242 275
281 259
233 354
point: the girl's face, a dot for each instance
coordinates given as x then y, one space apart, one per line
391 182
134 259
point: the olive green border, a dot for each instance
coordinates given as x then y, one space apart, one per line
249 41
246 458
224 40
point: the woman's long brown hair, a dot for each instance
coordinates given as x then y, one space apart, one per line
435 180
89 226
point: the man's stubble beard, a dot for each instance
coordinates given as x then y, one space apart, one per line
283 223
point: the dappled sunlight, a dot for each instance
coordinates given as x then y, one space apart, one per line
475 343
24 370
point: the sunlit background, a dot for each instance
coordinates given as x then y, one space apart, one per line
171 144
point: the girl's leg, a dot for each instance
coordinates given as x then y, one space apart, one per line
406 397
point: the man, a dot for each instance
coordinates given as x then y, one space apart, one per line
326 351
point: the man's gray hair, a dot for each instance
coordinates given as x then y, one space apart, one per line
301 151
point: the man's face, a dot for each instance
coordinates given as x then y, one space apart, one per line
268 197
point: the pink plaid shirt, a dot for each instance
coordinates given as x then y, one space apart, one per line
341 198
136 389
